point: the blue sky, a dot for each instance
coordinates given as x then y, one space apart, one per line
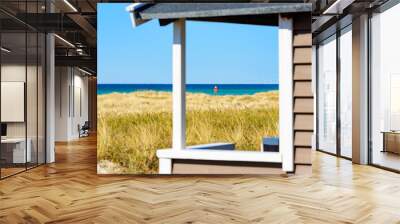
216 52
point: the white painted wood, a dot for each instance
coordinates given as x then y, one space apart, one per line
131 9
286 92
165 166
178 89
12 101
220 155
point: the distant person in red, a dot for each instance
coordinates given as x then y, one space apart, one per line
215 89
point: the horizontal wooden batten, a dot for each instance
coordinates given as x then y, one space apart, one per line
303 105
302 55
220 155
302 40
302 89
224 167
302 72
303 138
304 122
302 155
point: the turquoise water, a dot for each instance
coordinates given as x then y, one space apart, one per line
223 89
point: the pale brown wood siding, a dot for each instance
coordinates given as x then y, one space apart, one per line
302 138
303 116
302 73
223 167
303 107
302 156
302 88
303 122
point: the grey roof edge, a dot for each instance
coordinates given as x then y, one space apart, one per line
135 7
264 8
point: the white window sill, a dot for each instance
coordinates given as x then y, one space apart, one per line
220 155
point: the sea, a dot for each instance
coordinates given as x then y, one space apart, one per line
222 89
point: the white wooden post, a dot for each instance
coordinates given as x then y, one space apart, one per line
164 166
178 89
286 92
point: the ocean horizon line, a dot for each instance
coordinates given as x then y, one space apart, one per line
211 89
188 84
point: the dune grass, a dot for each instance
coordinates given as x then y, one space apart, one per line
131 127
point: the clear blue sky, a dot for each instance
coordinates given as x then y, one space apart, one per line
216 52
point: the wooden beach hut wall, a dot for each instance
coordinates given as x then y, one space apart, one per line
296 97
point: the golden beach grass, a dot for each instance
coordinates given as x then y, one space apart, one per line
131 127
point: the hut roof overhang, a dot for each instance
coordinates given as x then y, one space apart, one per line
242 13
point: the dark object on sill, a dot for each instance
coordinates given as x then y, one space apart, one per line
270 144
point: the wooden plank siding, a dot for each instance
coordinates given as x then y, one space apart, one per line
302 73
303 105
302 89
303 100
303 116
302 139
181 166
303 122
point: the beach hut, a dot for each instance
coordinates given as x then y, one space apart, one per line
296 123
